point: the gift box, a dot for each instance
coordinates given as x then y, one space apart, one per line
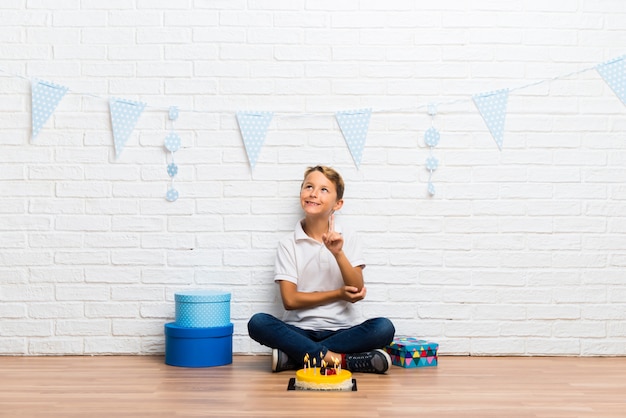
411 352
198 347
202 308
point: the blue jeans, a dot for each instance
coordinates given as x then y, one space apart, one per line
296 342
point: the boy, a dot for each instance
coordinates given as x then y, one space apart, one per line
319 269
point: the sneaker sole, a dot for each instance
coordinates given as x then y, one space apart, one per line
387 359
274 359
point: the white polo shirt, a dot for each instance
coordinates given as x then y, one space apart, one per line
312 268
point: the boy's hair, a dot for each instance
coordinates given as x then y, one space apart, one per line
332 175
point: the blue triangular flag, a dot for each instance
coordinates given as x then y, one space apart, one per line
492 107
614 74
124 117
45 96
354 125
253 127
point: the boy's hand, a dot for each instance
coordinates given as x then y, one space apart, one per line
333 240
353 294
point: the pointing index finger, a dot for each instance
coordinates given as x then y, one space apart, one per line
331 223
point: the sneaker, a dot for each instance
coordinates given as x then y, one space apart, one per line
281 361
376 361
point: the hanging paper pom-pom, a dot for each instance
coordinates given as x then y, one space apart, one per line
432 163
173 113
431 188
431 137
172 142
171 195
172 170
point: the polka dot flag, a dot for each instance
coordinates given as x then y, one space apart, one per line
253 127
492 107
45 97
614 74
354 125
124 117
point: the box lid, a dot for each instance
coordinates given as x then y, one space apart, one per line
412 343
200 296
173 330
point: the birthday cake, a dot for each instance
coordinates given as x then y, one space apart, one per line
323 378
308 379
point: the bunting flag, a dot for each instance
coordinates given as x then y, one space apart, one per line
492 107
253 127
614 74
124 117
354 125
45 97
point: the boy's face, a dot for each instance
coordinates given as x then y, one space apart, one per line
318 195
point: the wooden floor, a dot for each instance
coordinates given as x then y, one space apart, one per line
143 386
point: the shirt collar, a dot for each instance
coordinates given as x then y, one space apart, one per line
301 235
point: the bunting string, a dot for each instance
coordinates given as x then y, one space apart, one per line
354 124
331 114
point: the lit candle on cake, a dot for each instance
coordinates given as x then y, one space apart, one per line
322 362
314 365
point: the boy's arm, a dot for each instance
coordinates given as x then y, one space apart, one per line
292 299
352 276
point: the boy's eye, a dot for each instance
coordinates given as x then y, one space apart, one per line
324 189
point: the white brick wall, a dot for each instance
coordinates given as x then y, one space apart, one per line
521 252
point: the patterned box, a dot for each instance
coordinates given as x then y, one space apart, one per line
411 352
202 308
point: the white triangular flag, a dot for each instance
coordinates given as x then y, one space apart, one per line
124 117
614 74
354 125
253 127
45 96
492 107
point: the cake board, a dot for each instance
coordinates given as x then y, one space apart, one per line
292 386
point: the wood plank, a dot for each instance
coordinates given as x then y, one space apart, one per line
460 386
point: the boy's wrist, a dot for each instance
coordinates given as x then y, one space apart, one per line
339 254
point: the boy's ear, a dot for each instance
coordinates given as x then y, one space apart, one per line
338 205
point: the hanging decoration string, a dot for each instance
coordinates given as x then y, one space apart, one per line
172 144
431 139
